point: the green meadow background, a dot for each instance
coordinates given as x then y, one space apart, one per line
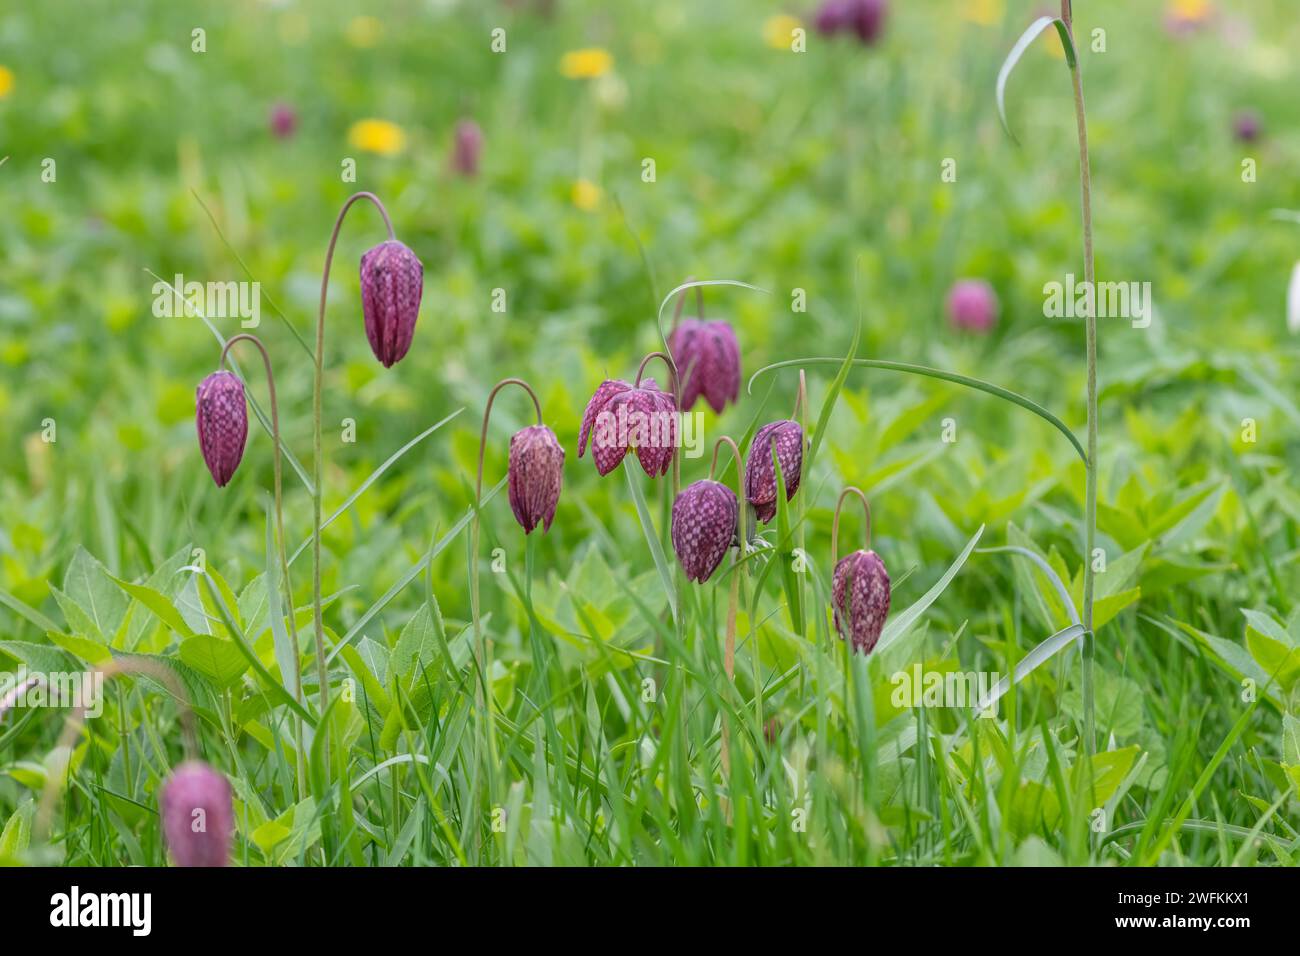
817 171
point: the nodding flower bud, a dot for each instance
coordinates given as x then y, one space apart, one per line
860 599
708 358
222 418
466 148
1246 126
197 815
622 417
392 281
535 473
760 475
832 16
972 305
705 518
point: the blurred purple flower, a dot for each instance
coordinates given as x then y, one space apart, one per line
284 120
832 16
860 598
972 305
466 148
760 475
392 281
222 418
622 417
707 356
536 472
1246 126
705 517
197 815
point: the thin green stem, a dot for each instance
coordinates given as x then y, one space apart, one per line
1090 320
284 553
322 670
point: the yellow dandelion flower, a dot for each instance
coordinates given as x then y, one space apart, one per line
778 31
586 64
986 13
377 136
6 81
586 195
364 32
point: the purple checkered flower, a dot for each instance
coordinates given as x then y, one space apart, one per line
972 305
707 356
392 281
760 475
622 418
705 518
860 599
197 815
466 148
536 472
222 419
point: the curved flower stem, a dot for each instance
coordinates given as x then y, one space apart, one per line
77 717
1090 320
322 670
482 647
279 532
729 646
835 524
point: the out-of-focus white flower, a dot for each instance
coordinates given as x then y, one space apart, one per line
1293 301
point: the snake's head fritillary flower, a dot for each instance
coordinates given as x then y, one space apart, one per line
622 418
708 359
832 16
222 418
536 472
867 19
392 281
972 305
860 599
1246 126
284 120
467 147
760 475
198 817
705 517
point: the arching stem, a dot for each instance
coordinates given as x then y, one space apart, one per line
483 647
835 524
322 670
283 548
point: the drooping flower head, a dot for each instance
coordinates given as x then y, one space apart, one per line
707 357
222 419
198 817
760 475
622 418
392 281
972 305
466 148
705 518
860 599
535 474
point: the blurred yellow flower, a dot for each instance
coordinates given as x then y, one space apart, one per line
586 195
586 64
6 81
377 136
364 32
986 13
1191 11
778 31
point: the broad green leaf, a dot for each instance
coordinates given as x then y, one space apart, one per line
91 587
214 657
